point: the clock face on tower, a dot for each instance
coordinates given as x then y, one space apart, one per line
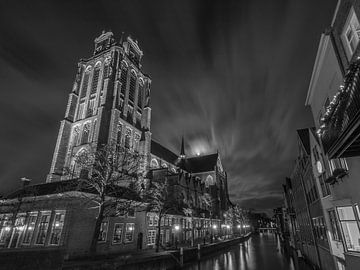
319 166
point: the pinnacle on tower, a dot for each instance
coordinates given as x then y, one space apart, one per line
182 151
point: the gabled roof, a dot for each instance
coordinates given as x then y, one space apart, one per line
304 139
202 163
162 152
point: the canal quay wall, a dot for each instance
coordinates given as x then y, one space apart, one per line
149 261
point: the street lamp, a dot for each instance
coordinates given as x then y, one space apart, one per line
177 229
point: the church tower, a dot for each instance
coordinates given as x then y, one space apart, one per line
109 102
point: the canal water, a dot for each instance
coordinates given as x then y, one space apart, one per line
260 252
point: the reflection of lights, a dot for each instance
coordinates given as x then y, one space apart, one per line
131 228
214 227
57 224
177 227
30 228
21 228
7 228
244 226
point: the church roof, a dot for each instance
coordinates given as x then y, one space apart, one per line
162 152
202 163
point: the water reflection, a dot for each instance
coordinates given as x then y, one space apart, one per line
260 252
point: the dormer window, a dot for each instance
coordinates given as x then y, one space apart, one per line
350 35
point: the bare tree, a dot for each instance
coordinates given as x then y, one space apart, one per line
110 181
162 201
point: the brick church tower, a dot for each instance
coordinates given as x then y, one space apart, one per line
109 101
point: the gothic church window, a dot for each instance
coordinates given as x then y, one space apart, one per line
154 163
140 94
85 134
123 79
93 136
95 80
128 138
91 108
85 83
81 111
136 142
118 134
76 134
132 87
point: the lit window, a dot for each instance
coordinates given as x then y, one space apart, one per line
57 227
103 231
43 228
151 237
349 228
154 163
351 33
118 229
29 231
129 232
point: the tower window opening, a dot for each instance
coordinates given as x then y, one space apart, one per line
95 80
132 88
85 84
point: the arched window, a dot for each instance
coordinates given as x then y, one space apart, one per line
93 135
76 169
95 79
164 165
128 138
118 134
123 80
132 87
85 83
154 163
85 134
140 93
75 136
209 181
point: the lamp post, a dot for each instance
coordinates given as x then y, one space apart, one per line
177 229
214 227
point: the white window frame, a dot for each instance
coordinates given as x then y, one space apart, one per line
131 229
42 213
121 226
27 228
54 224
151 237
352 24
106 231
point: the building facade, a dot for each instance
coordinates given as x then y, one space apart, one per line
333 99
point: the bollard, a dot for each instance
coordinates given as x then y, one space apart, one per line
198 252
181 257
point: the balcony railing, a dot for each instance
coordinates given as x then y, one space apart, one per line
340 127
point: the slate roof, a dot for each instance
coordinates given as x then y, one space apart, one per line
66 186
305 139
162 152
201 164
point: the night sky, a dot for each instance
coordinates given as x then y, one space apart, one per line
231 76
